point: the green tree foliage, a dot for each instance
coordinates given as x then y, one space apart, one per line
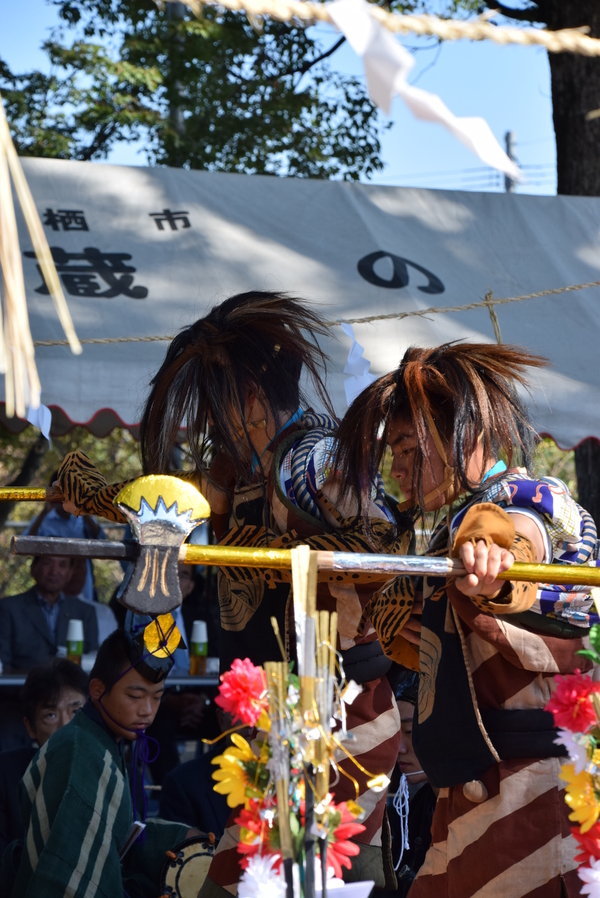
218 93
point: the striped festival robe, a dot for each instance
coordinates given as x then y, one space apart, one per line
500 827
77 812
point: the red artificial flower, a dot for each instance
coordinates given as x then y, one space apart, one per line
339 848
589 843
256 834
242 692
570 702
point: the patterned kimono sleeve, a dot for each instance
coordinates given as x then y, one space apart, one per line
489 523
388 610
87 488
84 485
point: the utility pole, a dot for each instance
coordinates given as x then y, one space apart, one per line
510 140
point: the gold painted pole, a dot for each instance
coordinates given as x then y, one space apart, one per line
235 556
22 494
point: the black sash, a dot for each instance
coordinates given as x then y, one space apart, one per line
523 734
365 662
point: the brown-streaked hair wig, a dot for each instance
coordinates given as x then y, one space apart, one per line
468 390
255 342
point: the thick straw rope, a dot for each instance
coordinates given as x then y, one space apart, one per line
488 303
567 40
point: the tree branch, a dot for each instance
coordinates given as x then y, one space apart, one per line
101 138
308 65
521 15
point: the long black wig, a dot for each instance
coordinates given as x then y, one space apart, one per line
254 343
469 392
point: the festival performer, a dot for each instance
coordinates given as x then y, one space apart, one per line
234 378
489 648
75 795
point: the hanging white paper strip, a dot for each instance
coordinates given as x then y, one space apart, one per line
41 417
357 366
387 67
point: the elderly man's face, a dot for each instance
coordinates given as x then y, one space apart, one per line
50 718
52 572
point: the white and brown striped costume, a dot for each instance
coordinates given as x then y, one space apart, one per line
516 843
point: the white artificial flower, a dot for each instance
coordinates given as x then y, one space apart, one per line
591 877
332 881
260 880
577 750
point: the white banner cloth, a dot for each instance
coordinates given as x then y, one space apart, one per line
160 246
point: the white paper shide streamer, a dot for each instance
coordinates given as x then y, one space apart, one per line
357 367
41 417
387 67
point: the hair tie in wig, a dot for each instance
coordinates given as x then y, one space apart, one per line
468 390
252 344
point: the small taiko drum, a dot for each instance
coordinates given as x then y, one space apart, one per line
186 867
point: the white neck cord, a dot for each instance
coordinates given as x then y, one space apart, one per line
400 802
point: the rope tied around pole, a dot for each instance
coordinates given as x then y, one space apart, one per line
495 323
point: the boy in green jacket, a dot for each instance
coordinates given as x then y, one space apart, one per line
76 802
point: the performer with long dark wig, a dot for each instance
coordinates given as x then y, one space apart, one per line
461 439
233 378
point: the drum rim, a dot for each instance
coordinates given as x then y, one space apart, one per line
180 846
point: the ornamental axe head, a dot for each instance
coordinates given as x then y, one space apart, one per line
162 511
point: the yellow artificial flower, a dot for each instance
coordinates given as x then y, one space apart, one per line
264 750
232 778
581 797
264 722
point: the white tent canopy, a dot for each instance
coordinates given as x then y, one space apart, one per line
145 251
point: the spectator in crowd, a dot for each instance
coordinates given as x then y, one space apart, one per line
411 799
187 791
34 624
50 698
75 798
53 520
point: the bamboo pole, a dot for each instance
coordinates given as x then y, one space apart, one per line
276 672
